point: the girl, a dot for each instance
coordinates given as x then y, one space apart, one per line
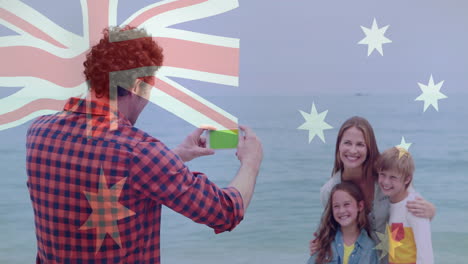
343 232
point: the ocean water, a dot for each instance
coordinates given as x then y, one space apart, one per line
285 209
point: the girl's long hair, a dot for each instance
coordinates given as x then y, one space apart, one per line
328 225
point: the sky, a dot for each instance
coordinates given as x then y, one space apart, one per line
308 47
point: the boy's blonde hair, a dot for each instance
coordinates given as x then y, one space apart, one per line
397 159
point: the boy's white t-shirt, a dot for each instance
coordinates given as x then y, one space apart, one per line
409 235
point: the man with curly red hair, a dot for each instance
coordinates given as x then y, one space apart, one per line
97 183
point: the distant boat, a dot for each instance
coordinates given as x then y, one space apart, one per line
361 94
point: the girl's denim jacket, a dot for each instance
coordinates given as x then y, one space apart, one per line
363 252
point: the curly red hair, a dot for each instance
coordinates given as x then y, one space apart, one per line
129 51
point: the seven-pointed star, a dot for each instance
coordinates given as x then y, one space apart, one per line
106 211
404 144
403 147
314 122
431 94
374 38
387 244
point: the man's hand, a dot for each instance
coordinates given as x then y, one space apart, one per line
249 149
250 154
193 146
421 208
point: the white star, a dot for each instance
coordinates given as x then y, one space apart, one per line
430 94
404 145
314 122
374 38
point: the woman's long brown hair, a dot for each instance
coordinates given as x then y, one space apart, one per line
371 144
328 225
369 173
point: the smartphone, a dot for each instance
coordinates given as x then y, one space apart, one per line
222 139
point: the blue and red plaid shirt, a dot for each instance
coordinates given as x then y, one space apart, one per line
97 199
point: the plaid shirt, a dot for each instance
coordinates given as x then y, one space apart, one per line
98 199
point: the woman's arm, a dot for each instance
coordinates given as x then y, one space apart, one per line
421 208
313 245
325 190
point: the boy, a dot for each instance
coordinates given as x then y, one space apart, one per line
409 236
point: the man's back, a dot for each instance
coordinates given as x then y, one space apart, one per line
97 193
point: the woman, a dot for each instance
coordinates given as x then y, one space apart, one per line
355 155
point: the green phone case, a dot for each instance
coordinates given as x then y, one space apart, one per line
224 139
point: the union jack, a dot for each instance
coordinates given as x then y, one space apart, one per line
46 59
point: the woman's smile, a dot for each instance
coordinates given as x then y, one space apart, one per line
352 150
